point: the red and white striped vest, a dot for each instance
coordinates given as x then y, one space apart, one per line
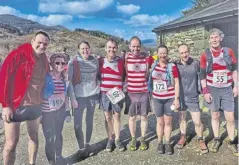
220 76
59 91
160 74
111 74
137 71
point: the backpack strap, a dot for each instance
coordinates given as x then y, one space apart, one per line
76 72
209 60
150 81
227 58
196 64
169 73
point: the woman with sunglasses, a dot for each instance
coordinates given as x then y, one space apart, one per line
83 71
53 109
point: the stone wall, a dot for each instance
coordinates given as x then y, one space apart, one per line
195 37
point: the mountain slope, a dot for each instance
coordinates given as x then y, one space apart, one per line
15 31
25 26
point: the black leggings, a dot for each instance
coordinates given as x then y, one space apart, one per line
87 103
52 125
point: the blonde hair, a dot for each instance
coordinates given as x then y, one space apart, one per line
52 59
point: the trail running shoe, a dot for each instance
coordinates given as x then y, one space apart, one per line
181 143
119 145
160 148
143 145
234 148
109 146
215 145
168 149
132 144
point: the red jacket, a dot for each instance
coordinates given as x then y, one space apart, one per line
15 75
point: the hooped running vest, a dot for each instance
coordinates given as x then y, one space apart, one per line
163 82
111 74
219 69
137 73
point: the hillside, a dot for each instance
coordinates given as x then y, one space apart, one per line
15 31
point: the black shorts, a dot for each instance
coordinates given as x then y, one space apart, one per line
23 113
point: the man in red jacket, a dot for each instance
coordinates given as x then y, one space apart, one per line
21 79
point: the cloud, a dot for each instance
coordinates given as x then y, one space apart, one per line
46 20
144 34
83 16
142 20
127 9
8 10
73 7
50 20
120 33
55 19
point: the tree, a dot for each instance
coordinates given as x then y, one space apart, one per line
197 4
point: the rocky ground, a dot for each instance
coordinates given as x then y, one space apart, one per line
190 155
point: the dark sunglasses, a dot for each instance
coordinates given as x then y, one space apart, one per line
58 63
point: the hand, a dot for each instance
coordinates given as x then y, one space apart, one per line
176 103
74 103
208 97
68 119
235 91
7 114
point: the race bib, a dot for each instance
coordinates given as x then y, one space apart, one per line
159 86
115 95
56 101
220 77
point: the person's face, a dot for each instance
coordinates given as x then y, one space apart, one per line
162 54
215 40
59 64
40 44
184 53
111 49
84 50
135 47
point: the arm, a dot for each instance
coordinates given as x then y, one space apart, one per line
6 82
203 74
234 72
203 71
70 70
70 91
176 86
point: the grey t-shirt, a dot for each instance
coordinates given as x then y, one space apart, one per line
188 76
89 70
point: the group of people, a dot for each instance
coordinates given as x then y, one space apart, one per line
38 89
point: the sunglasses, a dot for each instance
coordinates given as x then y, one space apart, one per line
58 63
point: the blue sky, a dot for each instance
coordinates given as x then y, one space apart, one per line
123 18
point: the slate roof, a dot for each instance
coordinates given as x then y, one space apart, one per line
221 10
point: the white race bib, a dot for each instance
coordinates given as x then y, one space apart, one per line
220 77
115 95
56 101
159 86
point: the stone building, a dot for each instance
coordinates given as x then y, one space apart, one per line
193 27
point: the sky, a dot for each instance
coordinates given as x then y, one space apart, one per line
122 18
